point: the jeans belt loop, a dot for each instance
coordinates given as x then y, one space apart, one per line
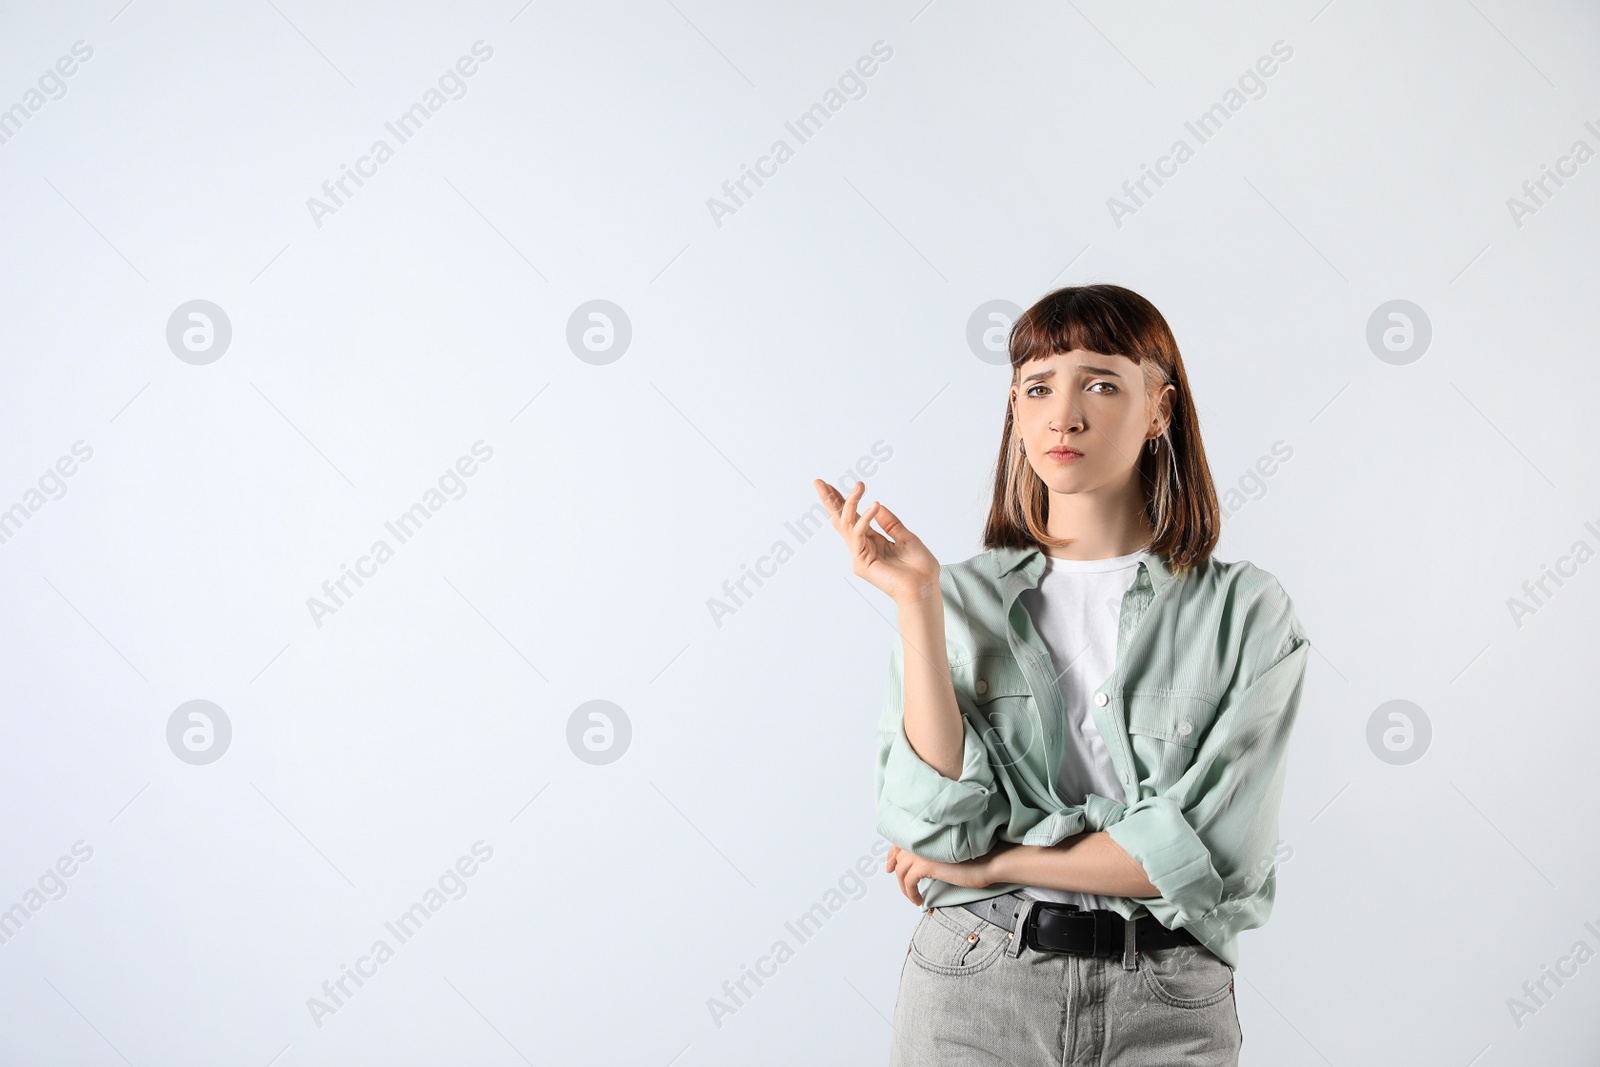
1019 923
1129 926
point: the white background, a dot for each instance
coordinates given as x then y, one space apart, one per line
829 312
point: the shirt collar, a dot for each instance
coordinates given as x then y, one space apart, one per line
1007 559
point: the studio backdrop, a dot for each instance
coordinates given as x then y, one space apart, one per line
423 643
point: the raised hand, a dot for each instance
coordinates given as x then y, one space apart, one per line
903 567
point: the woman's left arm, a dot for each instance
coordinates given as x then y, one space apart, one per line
1088 863
1085 863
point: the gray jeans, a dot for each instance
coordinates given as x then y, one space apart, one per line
971 995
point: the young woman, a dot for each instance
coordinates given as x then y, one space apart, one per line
1083 749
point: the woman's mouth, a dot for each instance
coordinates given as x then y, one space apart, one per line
1064 455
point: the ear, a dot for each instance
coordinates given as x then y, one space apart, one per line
1164 403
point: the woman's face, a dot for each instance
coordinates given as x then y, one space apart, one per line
1083 417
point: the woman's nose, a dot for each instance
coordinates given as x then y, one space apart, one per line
1067 418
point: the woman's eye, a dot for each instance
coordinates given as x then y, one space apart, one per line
1031 389
1109 387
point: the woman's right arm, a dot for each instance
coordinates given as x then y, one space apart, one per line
936 791
905 569
933 722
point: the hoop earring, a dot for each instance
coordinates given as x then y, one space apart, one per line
1168 490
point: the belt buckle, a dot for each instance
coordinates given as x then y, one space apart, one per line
1069 928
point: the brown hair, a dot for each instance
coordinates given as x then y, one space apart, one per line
1180 500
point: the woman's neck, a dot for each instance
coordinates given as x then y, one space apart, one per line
1096 529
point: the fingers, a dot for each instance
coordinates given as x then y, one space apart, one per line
831 498
856 527
908 876
841 509
899 860
850 502
908 883
891 523
865 542
863 525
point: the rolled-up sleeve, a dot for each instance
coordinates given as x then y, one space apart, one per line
919 809
1217 825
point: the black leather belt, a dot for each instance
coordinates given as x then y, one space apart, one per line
1053 927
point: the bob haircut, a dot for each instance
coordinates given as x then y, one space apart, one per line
1180 499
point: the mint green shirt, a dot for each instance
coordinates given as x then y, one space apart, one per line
1196 717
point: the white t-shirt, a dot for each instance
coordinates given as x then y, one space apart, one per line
1076 609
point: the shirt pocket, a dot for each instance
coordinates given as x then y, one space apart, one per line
1165 727
996 696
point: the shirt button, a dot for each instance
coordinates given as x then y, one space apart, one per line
1186 727
1126 778
982 687
1101 699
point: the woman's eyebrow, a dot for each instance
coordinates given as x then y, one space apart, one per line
1084 367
